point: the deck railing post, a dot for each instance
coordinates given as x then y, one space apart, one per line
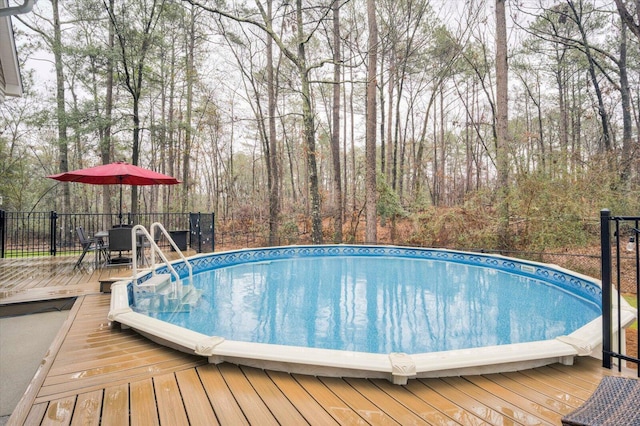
3 227
605 250
53 226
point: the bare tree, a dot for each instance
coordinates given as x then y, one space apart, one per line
569 27
54 42
190 79
576 14
335 129
502 121
627 17
272 160
135 32
299 59
105 139
63 149
371 228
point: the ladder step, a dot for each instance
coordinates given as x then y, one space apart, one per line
191 296
155 283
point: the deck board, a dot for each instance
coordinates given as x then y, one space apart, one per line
411 401
561 395
100 374
196 401
392 407
330 402
280 406
35 415
115 409
88 409
555 382
447 407
309 408
485 411
224 404
122 377
357 402
171 410
59 411
506 408
253 407
143 403
530 394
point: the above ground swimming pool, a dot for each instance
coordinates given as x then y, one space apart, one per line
367 311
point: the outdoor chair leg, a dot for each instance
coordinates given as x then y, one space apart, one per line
104 256
84 252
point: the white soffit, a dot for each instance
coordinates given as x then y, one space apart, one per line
9 56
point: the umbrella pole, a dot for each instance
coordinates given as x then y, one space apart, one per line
120 212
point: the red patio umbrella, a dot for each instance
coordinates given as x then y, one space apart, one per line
116 173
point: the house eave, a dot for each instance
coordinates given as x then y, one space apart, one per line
9 58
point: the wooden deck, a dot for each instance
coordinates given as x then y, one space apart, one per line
25 280
98 373
46 278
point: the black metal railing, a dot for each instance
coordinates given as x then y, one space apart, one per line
24 234
621 271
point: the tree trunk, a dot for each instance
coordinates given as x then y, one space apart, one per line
335 129
370 143
63 149
105 142
352 138
133 59
442 187
604 117
383 119
274 172
562 105
502 131
190 76
625 98
627 17
386 143
435 191
171 117
135 153
309 132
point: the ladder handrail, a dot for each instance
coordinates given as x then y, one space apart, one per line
153 227
154 247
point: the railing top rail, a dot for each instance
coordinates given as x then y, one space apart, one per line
154 249
158 225
625 218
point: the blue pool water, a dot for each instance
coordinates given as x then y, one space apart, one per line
380 304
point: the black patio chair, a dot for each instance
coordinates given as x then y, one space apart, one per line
120 241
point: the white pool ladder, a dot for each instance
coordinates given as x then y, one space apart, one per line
156 278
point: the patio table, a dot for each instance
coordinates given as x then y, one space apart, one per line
100 238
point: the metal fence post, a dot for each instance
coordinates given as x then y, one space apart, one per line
605 251
3 227
53 226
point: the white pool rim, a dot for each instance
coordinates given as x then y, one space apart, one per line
396 367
